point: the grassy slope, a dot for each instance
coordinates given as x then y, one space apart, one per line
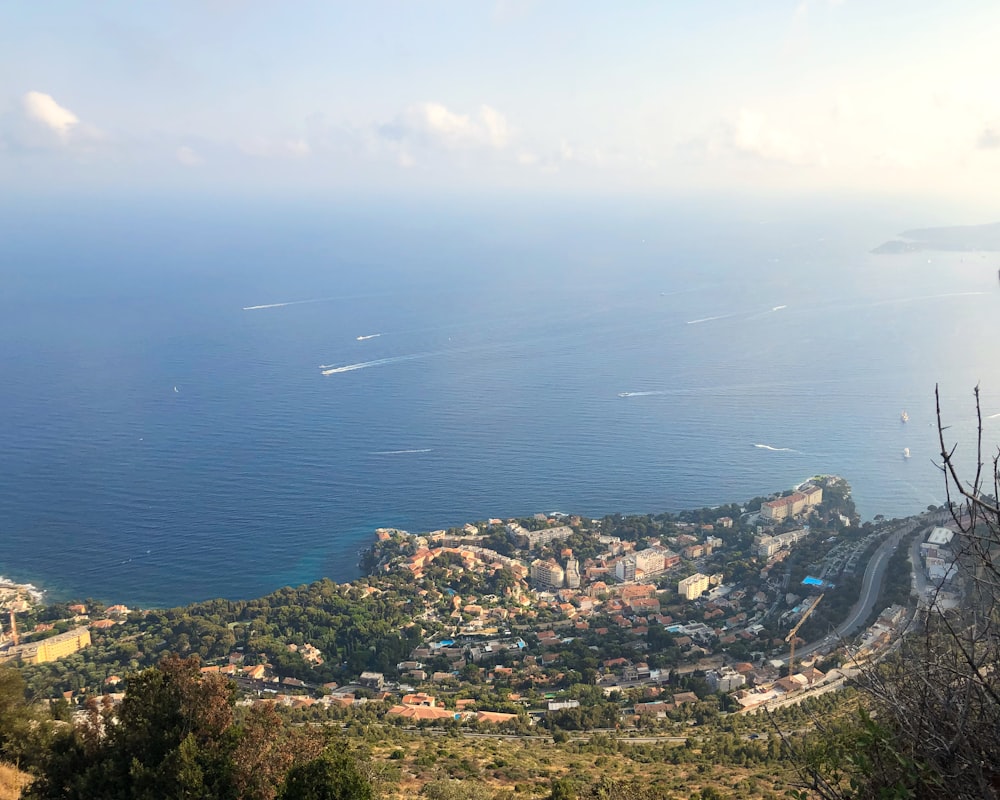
12 780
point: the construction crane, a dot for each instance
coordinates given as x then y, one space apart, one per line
791 634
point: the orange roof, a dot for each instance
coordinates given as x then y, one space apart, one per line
421 712
418 699
494 716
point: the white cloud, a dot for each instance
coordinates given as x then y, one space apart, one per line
39 123
43 109
433 124
989 138
188 157
753 135
496 126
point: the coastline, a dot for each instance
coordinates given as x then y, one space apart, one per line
363 553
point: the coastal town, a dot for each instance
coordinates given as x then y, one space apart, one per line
553 620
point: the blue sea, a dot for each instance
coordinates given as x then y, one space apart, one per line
168 433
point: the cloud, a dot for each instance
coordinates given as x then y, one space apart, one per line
43 108
188 157
989 138
496 126
752 135
38 123
435 125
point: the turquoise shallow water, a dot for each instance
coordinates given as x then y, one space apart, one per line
160 444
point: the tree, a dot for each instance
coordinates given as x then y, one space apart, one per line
20 728
930 727
332 776
173 736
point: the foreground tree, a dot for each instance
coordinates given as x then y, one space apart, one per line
18 721
931 723
174 736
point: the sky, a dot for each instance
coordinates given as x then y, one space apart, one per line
895 97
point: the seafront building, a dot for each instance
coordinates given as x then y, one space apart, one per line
792 505
50 649
529 540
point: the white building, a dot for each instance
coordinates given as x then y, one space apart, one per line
547 574
693 587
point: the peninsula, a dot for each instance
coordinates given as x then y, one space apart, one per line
532 627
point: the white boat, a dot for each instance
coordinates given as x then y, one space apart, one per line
904 417
906 452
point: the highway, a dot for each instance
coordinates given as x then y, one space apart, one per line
871 585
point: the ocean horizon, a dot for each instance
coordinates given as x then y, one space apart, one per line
217 401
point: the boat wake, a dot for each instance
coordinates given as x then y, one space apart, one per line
993 416
329 369
709 319
775 449
402 452
778 308
639 394
369 336
289 303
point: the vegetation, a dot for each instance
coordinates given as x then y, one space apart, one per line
930 724
176 735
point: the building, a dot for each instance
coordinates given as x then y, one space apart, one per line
641 565
725 679
531 539
572 574
793 504
940 537
768 546
693 587
813 494
50 649
783 507
372 680
625 569
547 574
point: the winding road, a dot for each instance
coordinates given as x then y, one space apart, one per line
871 585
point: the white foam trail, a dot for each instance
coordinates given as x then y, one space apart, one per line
369 336
402 452
778 308
709 319
638 394
378 362
993 416
776 449
289 303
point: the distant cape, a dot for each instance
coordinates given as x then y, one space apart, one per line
957 238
